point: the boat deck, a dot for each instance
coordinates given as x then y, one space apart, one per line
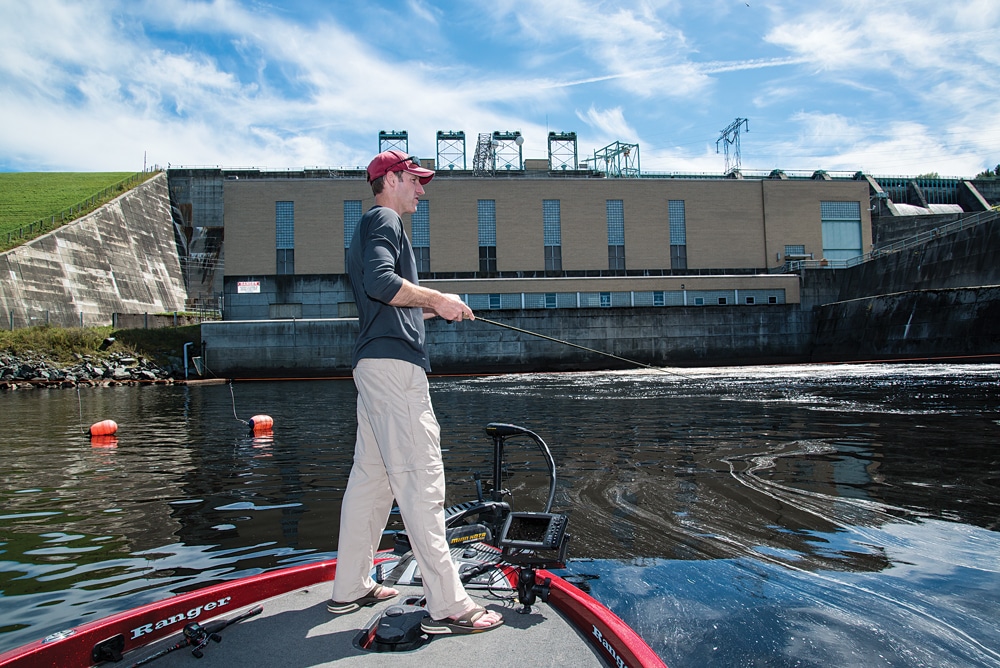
295 630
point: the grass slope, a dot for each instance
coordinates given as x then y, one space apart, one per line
28 196
61 344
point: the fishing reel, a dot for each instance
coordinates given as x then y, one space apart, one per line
197 636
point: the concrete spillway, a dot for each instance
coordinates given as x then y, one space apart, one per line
122 258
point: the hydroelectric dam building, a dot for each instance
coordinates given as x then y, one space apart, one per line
663 269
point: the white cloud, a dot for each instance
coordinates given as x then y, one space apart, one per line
312 83
609 123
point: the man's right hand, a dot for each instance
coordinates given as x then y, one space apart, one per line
452 308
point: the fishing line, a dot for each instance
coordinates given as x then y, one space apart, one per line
260 425
79 401
233 395
576 345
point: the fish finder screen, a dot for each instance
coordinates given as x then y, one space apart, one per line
533 531
528 529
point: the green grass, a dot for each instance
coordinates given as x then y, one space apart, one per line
29 196
61 344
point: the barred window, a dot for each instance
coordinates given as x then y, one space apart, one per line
284 237
678 223
284 224
616 222
840 210
487 216
552 234
841 230
420 224
551 222
487 221
616 234
352 214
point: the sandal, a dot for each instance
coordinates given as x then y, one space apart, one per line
463 624
377 594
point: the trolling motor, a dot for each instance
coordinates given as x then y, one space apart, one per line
483 520
527 540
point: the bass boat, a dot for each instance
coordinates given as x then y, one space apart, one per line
279 618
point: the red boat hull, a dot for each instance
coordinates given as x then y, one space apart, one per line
613 639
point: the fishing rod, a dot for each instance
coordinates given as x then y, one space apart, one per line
576 345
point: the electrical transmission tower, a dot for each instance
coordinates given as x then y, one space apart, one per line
731 137
484 161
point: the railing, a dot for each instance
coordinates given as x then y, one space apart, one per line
903 244
81 208
205 308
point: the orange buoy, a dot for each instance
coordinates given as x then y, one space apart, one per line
104 441
103 428
261 424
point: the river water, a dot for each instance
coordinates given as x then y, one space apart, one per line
814 515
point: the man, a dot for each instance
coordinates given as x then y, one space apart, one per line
398 451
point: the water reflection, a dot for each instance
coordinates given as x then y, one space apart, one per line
766 512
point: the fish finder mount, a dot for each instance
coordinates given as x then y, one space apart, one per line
531 541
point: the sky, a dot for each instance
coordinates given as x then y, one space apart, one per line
887 88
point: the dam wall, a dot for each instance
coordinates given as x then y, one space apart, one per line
626 338
940 299
965 258
122 258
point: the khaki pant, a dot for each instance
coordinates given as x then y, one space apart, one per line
397 455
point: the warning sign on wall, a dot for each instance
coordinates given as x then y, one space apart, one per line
244 287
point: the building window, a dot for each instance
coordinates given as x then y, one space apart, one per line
616 234
678 234
420 226
487 217
352 214
658 299
494 302
841 230
284 236
550 300
605 299
796 252
488 259
552 232
751 300
553 258
723 301
771 299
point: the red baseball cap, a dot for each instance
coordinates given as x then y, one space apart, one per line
397 161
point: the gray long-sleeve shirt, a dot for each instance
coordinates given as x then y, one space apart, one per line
379 258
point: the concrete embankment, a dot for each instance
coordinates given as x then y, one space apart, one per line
121 258
937 300
678 336
954 323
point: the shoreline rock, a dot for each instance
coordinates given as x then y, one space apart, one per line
32 370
